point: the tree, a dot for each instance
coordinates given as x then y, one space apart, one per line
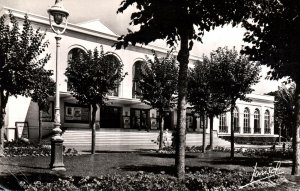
235 77
199 92
284 112
273 34
179 21
285 108
22 60
91 77
207 100
158 85
43 89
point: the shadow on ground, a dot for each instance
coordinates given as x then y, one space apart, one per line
163 169
248 162
26 166
156 169
165 155
106 151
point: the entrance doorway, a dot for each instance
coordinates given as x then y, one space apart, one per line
191 122
168 120
140 119
110 117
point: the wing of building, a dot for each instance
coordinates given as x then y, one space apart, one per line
125 112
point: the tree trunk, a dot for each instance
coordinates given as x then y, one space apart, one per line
204 133
296 139
3 102
232 132
1 125
183 59
211 133
161 129
93 127
279 133
40 125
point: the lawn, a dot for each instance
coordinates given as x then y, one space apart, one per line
30 168
27 164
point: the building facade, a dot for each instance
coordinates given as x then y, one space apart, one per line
124 110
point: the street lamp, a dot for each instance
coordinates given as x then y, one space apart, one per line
58 14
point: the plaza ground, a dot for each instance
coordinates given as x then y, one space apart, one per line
104 162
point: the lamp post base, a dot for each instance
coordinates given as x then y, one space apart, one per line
56 163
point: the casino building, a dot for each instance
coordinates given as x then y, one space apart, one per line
124 110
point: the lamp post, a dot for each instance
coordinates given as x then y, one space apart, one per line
58 14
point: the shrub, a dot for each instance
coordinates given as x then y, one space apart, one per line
66 184
287 154
20 147
221 149
206 178
252 140
18 143
191 149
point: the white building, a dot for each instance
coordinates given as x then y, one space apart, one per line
251 118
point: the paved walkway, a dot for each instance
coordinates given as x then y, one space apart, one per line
122 163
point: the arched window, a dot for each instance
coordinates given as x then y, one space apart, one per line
74 53
113 59
137 70
247 121
267 122
236 120
223 128
257 128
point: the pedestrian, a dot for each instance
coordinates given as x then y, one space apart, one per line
166 135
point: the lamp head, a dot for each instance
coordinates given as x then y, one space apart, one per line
58 12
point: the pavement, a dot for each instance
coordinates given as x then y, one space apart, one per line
104 162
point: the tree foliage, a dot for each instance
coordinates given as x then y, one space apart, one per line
22 59
284 112
93 75
273 34
234 73
43 89
158 82
205 92
165 19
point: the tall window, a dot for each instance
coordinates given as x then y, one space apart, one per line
223 128
113 59
236 120
267 122
137 70
257 128
247 121
74 53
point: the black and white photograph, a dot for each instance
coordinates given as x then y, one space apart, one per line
168 95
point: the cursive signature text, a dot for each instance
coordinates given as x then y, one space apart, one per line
263 173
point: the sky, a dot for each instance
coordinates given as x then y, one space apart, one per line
105 10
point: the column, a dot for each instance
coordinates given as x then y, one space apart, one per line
262 121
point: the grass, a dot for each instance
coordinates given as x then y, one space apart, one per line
124 163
